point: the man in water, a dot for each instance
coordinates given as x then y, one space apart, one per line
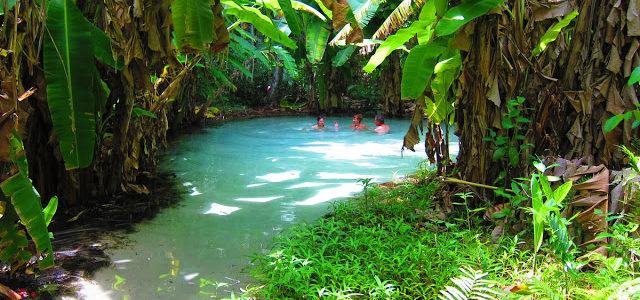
321 125
357 123
381 128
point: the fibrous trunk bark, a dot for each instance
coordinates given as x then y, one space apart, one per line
391 82
571 89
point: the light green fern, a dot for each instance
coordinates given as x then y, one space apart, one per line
470 285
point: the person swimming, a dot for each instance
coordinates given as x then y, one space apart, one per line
357 123
381 128
320 124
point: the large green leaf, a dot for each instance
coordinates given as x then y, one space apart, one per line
463 14
394 42
26 201
102 47
552 34
13 243
317 36
247 50
192 24
343 56
635 76
261 22
69 70
418 68
287 60
292 18
446 72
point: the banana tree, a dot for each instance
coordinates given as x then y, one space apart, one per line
430 69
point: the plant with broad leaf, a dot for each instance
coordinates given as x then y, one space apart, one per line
613 122
509 147
545 208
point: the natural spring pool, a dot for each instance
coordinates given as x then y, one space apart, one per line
247 180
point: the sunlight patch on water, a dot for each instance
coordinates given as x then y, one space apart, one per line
122 261
354 151
306 185
191 276
263 199
89 290
221 210
342 191
194 192
328 175
279 177
256 184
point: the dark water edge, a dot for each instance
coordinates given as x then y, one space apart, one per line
80 245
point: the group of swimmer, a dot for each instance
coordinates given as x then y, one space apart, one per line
357 124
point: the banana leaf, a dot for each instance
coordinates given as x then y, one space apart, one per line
418 68
462 14
317 36
394 42
26 202
287 60
290 15
192 23
343 56
261 22
102 47
552 34
69 70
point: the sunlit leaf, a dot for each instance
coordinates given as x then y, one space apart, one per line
635 76
418 68
261 22
394 42
463 14
317 37
192 23
552 33
50 210
290 15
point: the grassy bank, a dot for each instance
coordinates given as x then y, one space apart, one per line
398 244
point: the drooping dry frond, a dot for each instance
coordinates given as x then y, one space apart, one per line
363 15
394 21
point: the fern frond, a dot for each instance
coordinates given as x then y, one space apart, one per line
470 285
394 21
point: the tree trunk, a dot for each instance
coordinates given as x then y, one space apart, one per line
391 81
572 88
277 78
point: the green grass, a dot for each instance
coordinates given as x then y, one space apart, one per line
394 246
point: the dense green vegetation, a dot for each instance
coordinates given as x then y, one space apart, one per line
90 90
399 244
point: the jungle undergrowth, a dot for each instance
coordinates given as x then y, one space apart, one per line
393 244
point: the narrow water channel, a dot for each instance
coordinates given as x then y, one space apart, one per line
247 180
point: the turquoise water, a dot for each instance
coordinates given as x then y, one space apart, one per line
247 180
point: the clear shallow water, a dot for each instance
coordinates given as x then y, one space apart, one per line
248 180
